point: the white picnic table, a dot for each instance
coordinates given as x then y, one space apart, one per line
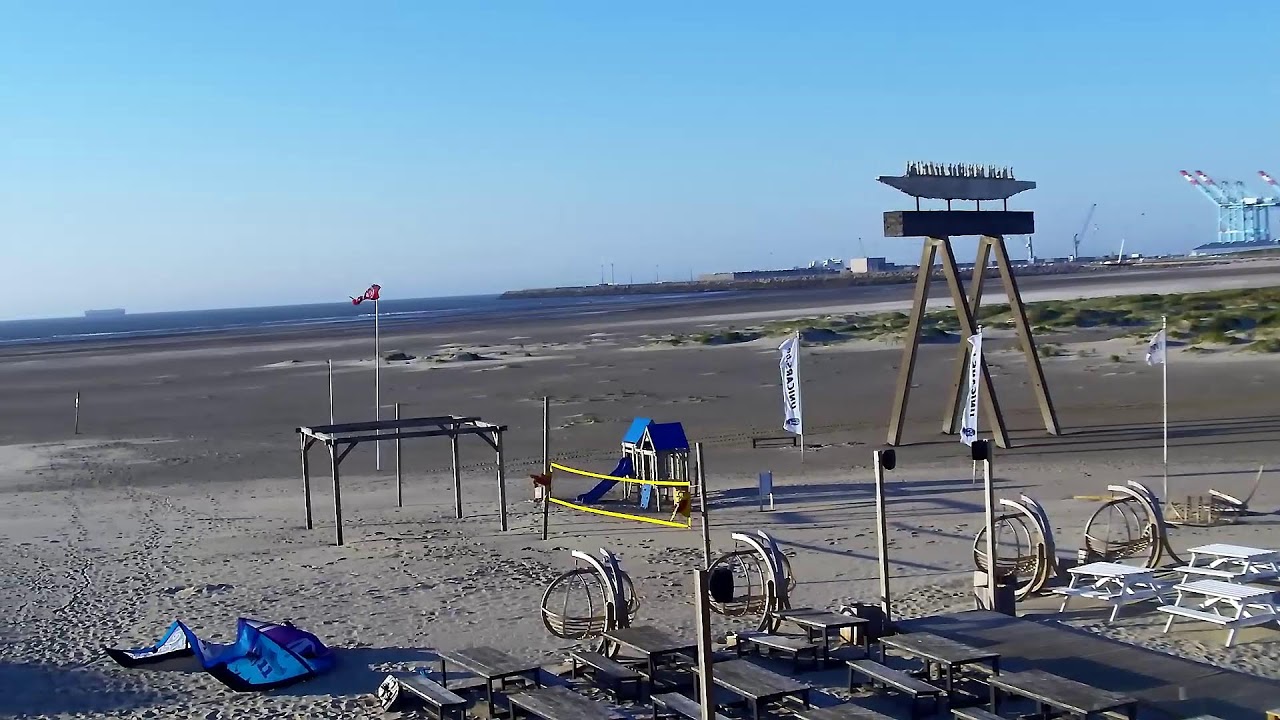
1228 604
1232 562
1116 584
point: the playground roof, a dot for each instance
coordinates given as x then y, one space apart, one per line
668 436
636 431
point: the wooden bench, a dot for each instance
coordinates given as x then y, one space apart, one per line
797 648
914 688
1215 618
1187 570
775 441
609 674
426 691
679 705
559 703
843 711
974 713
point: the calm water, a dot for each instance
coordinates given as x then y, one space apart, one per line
423 311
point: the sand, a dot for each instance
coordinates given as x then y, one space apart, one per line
181 497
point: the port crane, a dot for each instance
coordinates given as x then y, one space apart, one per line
1079 237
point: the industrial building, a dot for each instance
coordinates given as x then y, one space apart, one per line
1244 219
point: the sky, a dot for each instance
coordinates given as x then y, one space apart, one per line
161 155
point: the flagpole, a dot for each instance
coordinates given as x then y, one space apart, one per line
377 384
1164 369
330 392
800 395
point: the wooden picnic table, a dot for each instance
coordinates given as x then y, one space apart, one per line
558 703
1113 583
651 643
757 685
489 663
843 711
1058 693
824 622
1246 605
1245 563
944 651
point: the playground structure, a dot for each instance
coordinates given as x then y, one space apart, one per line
654 452
594 598
757 561
342 438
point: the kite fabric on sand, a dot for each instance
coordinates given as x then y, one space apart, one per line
264 655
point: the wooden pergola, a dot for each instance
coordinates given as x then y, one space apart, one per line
342 438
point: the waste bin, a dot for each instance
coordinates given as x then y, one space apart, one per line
1005 600
874 628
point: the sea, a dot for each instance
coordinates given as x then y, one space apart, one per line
396 313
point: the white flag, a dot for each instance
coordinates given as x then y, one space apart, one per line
789 366
969 424
1155 349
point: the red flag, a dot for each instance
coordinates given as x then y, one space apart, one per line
373 293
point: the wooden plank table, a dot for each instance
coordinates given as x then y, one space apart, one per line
652 644
558 703
944 651
1059 693
1246 563
1248 605
844 711
824 622
757 685
490 664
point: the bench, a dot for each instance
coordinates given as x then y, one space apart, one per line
775 441
1215 618
609 674
680 706
974 714
797 648
1186 570
559 703
843 711
914 688
424 690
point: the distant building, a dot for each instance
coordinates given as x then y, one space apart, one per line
1227 248
864 265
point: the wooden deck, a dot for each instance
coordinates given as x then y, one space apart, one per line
1169 688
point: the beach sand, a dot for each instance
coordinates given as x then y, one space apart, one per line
182 499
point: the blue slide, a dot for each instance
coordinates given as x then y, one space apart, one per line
597 492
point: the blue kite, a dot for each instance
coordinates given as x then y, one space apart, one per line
264 656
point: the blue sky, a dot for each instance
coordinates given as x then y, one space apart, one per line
161 155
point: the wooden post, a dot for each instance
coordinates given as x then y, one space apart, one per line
706 690
546 508
990 502
306 475
907 367
882 539
702 507
77 428
546 456
457 477
399 490
502 482
969 328
337 494
330 392
1038 383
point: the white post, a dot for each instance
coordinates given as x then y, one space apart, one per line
1164 370
990 502
330 392
377 385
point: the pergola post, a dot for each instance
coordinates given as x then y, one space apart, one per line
399 490
457 479
304 443
334 461
502 481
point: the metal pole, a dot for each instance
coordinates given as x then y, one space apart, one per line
457 477
399 490
77 428
882 538
702 506
1164 367
306 475
330 392
546 440
337 494
546 507
990 502
377 385
800 394
706 690
502 482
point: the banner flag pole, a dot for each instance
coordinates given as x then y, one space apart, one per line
377 384
1164 330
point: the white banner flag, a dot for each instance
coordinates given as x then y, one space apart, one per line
789 366
1156 349
969 424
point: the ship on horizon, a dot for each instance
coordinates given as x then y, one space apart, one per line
108 312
